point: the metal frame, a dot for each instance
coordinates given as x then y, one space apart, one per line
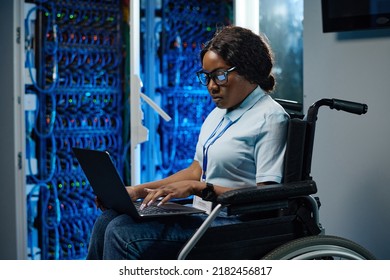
12 192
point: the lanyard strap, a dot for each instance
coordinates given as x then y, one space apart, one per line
207 145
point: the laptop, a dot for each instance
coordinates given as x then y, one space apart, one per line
108 185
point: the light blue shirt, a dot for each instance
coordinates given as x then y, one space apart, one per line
250 150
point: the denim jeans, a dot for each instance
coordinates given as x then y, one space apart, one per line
118 236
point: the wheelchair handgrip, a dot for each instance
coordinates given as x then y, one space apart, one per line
349 106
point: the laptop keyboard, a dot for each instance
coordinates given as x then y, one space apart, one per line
153 209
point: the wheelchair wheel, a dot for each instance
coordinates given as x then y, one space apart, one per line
320 247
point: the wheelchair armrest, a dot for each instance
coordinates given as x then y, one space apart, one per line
267 193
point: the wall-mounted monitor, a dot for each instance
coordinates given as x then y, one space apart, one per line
349 15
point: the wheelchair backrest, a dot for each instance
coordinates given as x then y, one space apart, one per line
295 151
300 137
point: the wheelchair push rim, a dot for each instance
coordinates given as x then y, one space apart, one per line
323 247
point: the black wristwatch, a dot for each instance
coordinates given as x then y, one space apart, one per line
208 193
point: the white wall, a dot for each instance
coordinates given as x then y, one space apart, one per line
351 160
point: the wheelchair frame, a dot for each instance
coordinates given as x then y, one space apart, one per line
286 214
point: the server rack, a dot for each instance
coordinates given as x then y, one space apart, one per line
70 85
74 84
175 32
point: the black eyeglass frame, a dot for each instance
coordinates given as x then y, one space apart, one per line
212 75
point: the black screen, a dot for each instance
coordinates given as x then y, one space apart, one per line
348 15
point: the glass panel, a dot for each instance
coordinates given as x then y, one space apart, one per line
282 22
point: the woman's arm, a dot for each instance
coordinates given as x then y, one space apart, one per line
179 185
191 173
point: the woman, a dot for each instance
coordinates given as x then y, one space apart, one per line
241 143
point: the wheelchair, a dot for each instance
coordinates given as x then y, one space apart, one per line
280 221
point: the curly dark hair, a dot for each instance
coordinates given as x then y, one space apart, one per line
249 52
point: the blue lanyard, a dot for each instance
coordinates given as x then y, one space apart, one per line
207 145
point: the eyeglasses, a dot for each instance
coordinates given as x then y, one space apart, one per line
219 76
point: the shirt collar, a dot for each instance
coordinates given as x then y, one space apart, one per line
248 102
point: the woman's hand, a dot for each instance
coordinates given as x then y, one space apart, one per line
99 204
180 189
136 192
132 191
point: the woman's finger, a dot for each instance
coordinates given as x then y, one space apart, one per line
152 196
165 199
